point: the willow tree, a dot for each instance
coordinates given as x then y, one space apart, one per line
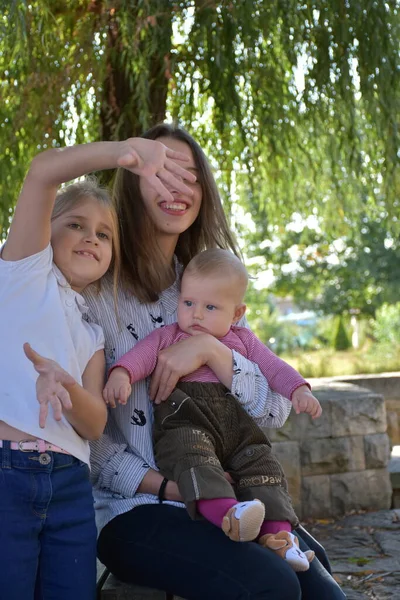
297 102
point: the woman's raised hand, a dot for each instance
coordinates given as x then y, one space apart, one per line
155 162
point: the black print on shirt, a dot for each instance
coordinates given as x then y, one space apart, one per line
140 419
236 369
157 321
132 330
111 354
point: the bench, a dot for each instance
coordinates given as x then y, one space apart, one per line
110 588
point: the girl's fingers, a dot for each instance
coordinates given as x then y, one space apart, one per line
174 182
66 378
161 190
57 407
176 155
32 355
64 398
181 171
43 412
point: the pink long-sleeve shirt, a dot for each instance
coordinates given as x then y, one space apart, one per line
141 360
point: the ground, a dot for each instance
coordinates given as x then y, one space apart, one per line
364 550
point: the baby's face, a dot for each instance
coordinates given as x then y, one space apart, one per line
208 305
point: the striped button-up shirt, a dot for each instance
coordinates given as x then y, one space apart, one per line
124 454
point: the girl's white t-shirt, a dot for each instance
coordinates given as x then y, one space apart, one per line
38 306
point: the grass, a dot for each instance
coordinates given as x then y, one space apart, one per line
360 561
328 362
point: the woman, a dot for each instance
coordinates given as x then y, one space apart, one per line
146 537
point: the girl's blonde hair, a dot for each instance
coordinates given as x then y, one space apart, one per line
71 195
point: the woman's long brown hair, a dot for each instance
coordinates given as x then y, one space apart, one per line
144 269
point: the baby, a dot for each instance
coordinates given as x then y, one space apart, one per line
201 431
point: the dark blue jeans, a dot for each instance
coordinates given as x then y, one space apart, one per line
47 527
160 546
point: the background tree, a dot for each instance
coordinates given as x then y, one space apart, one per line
352 274
299 100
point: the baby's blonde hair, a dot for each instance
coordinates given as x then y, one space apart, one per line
221 263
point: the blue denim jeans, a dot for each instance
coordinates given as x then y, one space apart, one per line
47 527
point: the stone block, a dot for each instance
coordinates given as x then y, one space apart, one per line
377 451
300 427
361 490
393 421
332 455
394 472
288 454
356 411
316 497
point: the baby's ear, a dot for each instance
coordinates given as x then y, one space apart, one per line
239 312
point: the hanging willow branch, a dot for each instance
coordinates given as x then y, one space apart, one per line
300 99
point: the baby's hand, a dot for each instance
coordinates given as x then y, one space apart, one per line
50 385
304 402
118 387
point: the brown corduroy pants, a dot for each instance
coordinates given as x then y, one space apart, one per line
202 431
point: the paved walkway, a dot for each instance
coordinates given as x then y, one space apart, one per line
364 551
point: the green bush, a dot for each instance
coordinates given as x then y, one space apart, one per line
341 340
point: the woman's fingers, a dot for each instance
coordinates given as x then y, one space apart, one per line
166 387
154 383
160 380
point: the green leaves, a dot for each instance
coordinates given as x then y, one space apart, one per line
299 99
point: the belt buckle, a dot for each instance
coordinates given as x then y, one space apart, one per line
26 449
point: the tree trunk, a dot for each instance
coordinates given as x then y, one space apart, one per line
124 112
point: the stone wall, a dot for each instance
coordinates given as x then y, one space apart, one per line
338 462
387 384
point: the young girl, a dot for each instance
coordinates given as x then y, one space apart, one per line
55 248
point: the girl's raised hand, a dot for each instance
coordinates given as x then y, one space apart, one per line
50 385
155 162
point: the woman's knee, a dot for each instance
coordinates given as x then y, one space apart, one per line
281 584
